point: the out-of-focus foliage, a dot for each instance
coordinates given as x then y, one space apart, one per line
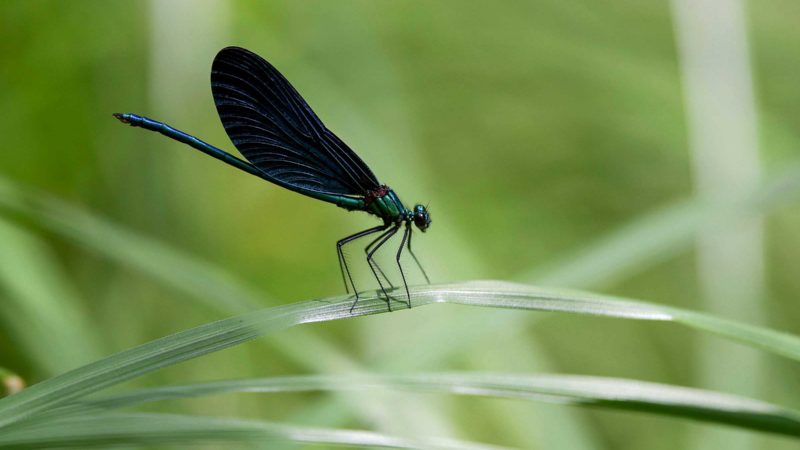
533 128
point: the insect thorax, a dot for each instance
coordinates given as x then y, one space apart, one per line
384 203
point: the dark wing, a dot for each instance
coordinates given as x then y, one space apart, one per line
276 130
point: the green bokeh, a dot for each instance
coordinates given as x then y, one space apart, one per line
533 128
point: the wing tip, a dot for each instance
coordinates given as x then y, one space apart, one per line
235 50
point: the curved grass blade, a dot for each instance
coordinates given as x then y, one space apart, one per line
203 282
215 336
600 392
612 258
500 294
106 430
171 350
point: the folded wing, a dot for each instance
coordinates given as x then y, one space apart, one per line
276 130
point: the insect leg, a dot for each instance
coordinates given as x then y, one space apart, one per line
406 235
343 262
428 280
377 266
386 237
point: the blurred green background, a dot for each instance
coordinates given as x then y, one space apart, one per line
569 143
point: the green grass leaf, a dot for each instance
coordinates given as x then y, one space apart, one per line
204 283
167 351
169 429
600 392
216 336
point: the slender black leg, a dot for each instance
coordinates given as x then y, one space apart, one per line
428 280
386 237
343 262
377 266
406 235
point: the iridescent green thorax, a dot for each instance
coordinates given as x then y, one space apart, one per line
384 203
381 202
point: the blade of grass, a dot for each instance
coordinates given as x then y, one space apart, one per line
216 336
169 429
173 349
207 283
640 244
614 393
167 351
724 150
